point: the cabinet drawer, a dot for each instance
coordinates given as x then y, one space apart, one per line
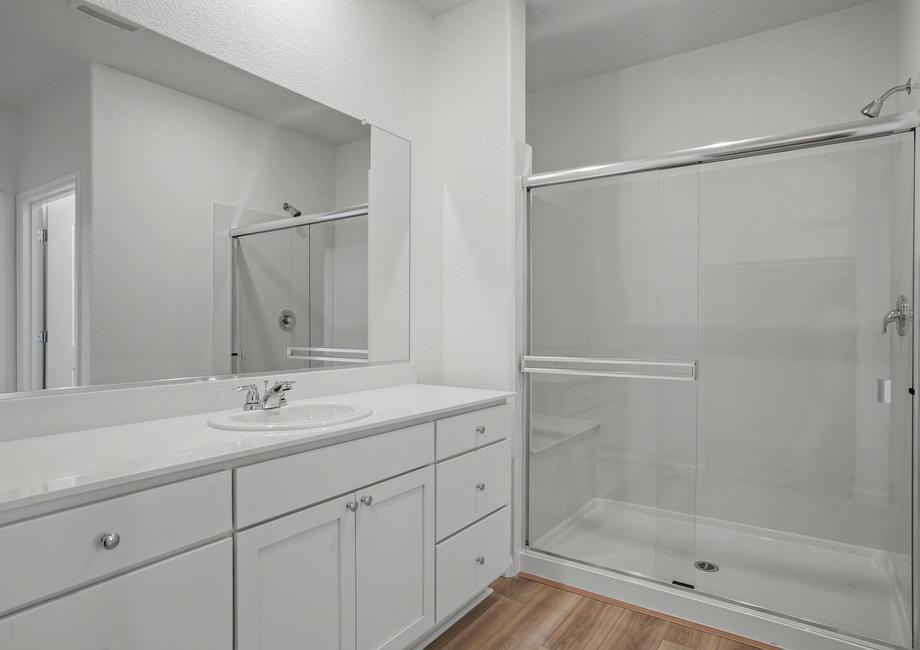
275 487
183 602
57 552
464 432
470 560
471 486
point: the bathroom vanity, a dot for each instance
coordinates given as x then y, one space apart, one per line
175 534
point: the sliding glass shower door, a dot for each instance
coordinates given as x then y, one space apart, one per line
612 364
804 463
713 402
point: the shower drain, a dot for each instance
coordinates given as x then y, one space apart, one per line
708 567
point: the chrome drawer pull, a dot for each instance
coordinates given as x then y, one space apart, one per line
481 486
110 541
481 428
480 559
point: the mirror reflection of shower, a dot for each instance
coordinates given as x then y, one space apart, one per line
291 210
874 108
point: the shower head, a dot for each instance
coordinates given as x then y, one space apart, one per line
290 209
874 108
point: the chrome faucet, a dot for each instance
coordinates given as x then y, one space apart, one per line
276 396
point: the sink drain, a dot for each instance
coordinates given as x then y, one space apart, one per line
708 567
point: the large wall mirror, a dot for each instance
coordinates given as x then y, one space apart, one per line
166 215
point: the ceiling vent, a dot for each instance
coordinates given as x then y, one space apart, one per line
104 16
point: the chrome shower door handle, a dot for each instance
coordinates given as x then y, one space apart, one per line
902 314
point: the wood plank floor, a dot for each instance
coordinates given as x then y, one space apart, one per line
525 614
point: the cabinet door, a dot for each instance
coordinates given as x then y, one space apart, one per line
295 581
395 561
183 602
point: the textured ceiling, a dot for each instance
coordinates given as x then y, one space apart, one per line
437 7
41 42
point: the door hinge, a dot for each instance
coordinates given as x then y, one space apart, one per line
43 336
42 235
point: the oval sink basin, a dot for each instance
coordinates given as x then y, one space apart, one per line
288 418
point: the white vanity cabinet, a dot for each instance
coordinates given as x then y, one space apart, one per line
473 509
367 543
182 602
356 571
353 572
395 561
418 526
295 580
108 558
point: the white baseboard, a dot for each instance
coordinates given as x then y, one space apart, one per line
450 620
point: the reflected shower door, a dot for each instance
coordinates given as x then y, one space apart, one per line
272 276
611 371
804 475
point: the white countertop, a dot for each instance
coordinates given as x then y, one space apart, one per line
41 468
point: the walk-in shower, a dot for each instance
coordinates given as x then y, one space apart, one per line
299 291
711 402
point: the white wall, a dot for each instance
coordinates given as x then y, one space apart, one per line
352 162
151 285
55 141
478 104
908 19
815 72
54 131
371 60
9 185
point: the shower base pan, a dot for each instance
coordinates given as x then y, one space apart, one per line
816 582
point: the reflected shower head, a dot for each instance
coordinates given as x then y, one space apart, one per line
290 209
874 108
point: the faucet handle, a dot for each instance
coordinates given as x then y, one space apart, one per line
252 395
252 389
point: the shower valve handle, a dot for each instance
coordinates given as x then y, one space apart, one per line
902 314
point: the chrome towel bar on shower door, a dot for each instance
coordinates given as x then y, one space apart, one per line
340 355
681 370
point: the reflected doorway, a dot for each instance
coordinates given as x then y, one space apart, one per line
47 340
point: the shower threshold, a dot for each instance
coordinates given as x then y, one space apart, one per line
850 588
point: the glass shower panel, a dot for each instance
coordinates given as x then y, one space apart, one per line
272 278
612 296
338 286
804 441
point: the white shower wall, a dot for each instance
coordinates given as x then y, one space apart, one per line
808 74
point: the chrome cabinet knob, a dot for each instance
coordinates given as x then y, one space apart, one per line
480 559
367 499
481 428
481 486
110 541
352 505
